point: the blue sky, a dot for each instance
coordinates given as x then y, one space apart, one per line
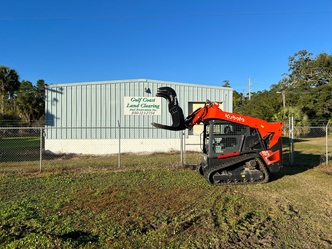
191 41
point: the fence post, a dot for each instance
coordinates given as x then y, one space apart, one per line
327 143
291 138
40 149
182 148
119 152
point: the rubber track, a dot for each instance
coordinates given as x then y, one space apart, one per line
209 174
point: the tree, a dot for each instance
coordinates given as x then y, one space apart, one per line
226 83
25 101
306 89
9 83
263 104
237 101
309 84
301 120
40 101
30 101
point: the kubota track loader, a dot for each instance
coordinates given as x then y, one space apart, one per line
237 149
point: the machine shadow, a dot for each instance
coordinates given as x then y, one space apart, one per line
301 163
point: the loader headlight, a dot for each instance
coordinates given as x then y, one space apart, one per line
204 159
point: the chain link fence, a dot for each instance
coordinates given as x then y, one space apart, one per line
22 149
312 145
307 145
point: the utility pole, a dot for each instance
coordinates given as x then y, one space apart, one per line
283 98
249 91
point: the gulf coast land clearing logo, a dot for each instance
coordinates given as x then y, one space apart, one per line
142 106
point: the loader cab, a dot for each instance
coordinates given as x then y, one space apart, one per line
221 137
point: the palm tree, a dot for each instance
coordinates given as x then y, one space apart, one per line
9 83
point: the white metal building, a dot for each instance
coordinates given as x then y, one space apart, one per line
108 116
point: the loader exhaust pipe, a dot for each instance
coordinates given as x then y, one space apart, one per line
174 109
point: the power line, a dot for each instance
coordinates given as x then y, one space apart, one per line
159 16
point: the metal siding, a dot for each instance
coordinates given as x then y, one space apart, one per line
69 113
84 116
49 112
87 113
78 112
113 111
92 110
99 109
63 114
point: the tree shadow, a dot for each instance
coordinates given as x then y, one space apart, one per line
32 155
50 118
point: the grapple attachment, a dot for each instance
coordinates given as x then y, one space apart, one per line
174 109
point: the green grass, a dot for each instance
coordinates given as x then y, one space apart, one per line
164 208
60 163
311 151
19 148
19 144
151 201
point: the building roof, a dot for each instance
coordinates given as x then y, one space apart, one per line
133 81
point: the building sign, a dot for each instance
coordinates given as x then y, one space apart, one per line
142 106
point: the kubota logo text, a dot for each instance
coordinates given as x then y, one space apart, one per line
235 118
